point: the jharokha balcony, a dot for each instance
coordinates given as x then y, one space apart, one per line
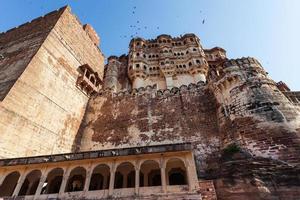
159 170
88 80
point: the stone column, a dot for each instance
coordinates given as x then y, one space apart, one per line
20 183
3 175
112 180
41 183
64 181
163 175
137 180
89 174
189 178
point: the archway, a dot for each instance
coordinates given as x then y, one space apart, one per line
151 174
9 184
53 181
76 180
125 176
176 172
100 178
31 183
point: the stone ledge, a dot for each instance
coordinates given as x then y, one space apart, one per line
97 154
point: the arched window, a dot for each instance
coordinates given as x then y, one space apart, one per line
176 172
162 63
125 176
31 183
194 49
76 180
151 174
137 54
198 61
190 64
137 65
9 184
145 67
192 40
138 44
53 181
100 178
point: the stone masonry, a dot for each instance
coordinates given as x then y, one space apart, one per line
168 120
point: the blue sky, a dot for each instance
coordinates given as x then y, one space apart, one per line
266 29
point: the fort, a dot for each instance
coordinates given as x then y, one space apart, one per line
170 119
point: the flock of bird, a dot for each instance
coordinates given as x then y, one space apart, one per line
137 27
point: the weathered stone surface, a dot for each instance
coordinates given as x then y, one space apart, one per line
40 114
50 67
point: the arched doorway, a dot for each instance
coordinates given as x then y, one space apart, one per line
76 180
53 181
100 178
151 174
31 183
176 172
125 176
9 184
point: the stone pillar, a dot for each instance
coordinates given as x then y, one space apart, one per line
3 175
41 183
112 180
189 178
20 183
64 181
163 175
89 174
137 180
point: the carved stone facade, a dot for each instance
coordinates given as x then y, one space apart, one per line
168 120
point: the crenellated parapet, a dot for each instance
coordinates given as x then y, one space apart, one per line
154 92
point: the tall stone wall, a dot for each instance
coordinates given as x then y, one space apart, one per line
149 117
43 110
254 113
19 45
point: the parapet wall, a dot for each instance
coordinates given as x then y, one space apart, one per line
149 117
